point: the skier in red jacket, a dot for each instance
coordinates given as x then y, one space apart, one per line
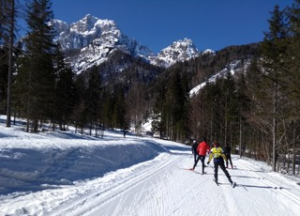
202 150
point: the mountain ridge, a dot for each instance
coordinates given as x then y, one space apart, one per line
90 41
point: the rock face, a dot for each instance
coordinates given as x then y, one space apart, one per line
91 41
180 50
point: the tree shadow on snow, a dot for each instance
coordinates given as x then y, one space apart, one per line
177 150
248 170
245 186
23 170
241 176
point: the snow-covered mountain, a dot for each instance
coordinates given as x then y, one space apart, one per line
234 67
180 50
90 41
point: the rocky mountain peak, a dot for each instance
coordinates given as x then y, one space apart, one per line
91 40
89 24
85 24
180 50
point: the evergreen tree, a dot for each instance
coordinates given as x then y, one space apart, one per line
256 117
108 107
202 109
120 110
221 105
93 97
243 108
273 61
177 100
7 37
80 113
37 75
3 79
114 108
159 111
293 66
229 105
10 61
4 21
292 57
64 99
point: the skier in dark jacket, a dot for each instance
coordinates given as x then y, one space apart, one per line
194 150
227 152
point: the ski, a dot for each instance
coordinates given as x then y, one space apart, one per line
194 171
189 169
233 167
233 184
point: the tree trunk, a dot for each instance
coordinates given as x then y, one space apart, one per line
274 152
10 62
240 148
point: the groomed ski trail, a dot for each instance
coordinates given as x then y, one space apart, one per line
161 187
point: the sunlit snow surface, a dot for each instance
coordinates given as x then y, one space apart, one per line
55 173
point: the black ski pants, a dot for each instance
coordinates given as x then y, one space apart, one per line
195 157
228 156
202 158
219 162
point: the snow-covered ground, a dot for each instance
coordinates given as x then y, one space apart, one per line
56 173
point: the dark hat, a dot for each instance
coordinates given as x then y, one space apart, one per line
216 143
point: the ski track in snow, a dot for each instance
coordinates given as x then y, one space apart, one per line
163 188
270 184
65 174
155 187
273 193
117 192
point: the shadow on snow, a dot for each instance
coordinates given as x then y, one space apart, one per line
39 169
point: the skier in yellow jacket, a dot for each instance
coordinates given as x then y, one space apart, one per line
217 154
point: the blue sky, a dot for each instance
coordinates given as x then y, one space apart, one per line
210 24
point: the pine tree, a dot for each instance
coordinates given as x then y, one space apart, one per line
37 75
79 114
159 111
64 99
293 66
93 97
10 61
177 100
272 50
243 109
292 58
201 113
229 105
120 109
7 37
3 79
